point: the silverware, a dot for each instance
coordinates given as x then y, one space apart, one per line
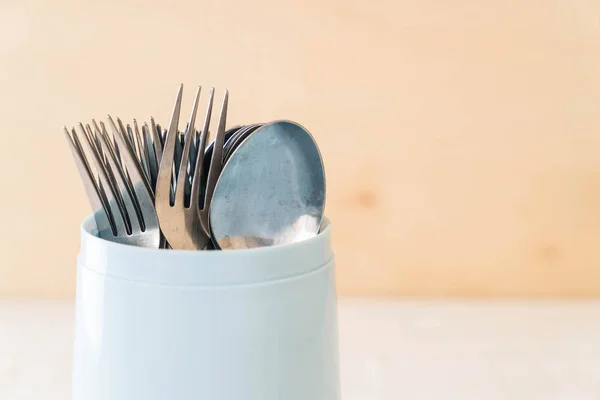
185 223
238 138
254 185
152 151
271 190
94 189
121 198
146 145
208 156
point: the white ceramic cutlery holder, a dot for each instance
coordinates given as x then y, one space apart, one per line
256 324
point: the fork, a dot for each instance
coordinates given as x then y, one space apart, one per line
117 190
185 222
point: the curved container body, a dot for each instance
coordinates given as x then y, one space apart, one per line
255 324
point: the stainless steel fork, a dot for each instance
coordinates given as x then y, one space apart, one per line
118 192
185 223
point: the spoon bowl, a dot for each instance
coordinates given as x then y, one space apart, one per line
271 189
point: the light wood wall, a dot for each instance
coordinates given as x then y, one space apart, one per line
461 138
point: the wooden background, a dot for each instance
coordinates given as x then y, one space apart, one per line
461 138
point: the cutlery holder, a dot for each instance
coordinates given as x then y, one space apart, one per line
255 324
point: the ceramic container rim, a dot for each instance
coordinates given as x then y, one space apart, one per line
88 225
203 268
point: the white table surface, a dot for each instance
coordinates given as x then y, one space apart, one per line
389 350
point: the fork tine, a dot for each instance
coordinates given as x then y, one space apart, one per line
113 142
124 146
165 170
130 203
97 129
109 143
178 150
163 134
183 166
131 163
123 185
104 138
150 152
130 136
193 154
97 200
111 196
83 158
156 138
197 176
113 149
94 139
139 144
133 143
131 173
142 193
217 156
95 142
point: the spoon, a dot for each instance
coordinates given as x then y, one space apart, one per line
237 138
271 189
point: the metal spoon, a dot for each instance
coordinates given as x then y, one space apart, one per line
237 139
271 189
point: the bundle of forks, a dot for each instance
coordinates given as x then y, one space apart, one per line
154 187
